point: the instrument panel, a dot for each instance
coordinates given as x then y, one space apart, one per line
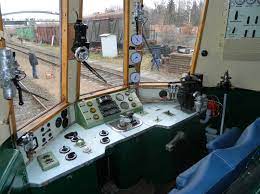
243 19
99 110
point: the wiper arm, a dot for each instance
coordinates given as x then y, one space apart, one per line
93 71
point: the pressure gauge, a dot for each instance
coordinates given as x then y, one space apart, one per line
250 1
240 2
135 77
120 97
136 57
137 40
124 105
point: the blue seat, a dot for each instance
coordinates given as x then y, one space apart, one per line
215 172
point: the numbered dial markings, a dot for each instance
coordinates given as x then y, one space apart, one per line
251 1
120 97
240 2
136 57
135 77
137 40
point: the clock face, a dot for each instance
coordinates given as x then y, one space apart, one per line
135 77
136 57
137 40
251 1
240 2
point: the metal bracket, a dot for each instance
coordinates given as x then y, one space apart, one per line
2 35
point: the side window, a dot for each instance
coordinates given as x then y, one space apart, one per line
34 37
105 34
170 31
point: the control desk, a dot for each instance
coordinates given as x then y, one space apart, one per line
90 133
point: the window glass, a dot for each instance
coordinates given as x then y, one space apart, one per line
171 32
105 34
32 32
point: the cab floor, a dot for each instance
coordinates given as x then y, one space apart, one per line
140 188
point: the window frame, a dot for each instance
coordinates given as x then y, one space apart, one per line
34 123
196 52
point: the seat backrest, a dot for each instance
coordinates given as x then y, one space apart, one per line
251 134
248 141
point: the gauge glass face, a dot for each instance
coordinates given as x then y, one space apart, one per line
137 40
135 77
124 105
120 97
240 2
250 1
136 57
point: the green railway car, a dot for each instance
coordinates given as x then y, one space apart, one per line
26 33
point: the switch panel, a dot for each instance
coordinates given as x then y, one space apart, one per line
96 111
243 19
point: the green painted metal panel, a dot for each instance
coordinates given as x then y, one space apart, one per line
82 181
146 156
127 163
13 178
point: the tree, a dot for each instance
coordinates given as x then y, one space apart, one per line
195 14
170 16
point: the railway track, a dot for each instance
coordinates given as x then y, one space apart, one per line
114 78
32 106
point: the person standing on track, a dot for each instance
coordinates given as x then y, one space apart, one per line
34 62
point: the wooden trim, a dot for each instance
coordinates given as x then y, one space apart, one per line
150 85
79 64
102 92
126 41
199 38
64 45
41 119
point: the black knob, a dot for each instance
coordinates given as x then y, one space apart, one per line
204 53
163 94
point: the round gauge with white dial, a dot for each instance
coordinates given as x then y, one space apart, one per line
124 105
137 40
135 77
240 2
120 97
250 1
136 57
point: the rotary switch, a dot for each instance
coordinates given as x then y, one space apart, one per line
71 156
103 133
64 150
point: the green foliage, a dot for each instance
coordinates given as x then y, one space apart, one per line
170 16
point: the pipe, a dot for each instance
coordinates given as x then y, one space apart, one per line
223 114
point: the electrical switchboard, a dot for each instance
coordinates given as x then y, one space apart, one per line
243 19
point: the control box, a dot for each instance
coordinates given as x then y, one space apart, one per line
99 110
243 19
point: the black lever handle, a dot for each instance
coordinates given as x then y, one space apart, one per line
20 92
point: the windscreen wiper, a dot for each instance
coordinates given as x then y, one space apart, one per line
93 71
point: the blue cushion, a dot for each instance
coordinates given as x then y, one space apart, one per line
215 172
226 140
183 178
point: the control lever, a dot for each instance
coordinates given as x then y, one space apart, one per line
124 121
20 93
178 137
